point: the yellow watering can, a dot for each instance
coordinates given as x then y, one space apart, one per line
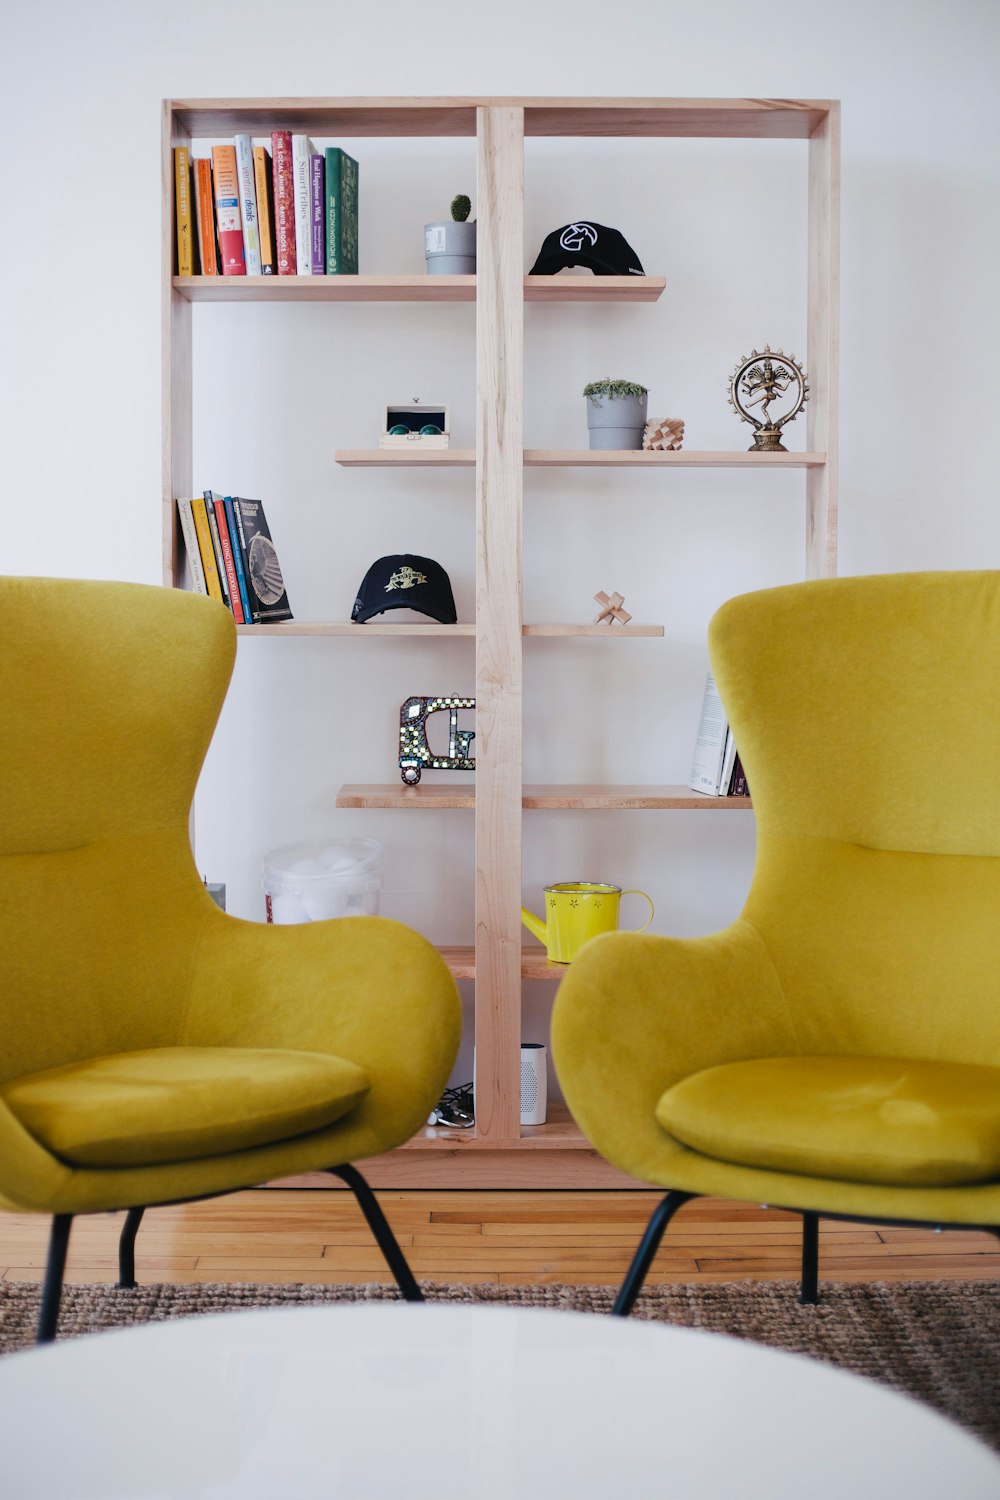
578 910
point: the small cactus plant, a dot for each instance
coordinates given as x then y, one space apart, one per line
609 390
461 207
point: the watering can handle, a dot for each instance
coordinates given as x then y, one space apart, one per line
652 912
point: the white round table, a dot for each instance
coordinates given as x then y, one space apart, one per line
456 1402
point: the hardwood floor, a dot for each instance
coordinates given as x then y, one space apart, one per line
509 1238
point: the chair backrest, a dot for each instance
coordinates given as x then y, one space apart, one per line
867 714
110 694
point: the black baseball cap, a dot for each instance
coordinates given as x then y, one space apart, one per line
604 250
405 581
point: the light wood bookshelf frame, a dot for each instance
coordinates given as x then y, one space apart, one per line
498 1152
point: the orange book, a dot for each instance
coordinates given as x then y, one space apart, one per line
263 177
204 212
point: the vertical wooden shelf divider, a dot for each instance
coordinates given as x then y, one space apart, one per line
823 344
499 491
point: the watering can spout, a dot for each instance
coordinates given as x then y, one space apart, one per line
533 925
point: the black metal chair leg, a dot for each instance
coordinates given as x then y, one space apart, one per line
379 1226
810 1258
126 1247
648 1246
55 1266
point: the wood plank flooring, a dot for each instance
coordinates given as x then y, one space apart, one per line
507 1238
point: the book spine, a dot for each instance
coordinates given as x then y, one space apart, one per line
227 556
301 152
265 584
248 203
227 209
317 194
334 156
205 215
265 208
348 247
190 536
213 526
284 202
205 547
252 613
234 538
182 211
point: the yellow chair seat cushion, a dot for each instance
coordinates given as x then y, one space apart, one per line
172 1104
856 1119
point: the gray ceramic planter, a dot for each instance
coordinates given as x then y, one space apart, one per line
616 421
450 248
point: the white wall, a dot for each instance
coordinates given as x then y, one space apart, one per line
279 387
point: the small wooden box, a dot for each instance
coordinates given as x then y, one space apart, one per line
413 416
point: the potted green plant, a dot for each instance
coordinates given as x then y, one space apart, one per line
616 413
450 246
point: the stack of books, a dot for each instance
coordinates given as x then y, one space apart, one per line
232 558
250 211
717 770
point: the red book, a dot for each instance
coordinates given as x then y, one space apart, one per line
284 201
227 211
227 558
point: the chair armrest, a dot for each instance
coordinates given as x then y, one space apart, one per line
367 989
636 1013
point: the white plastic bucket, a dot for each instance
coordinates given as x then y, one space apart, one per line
313 882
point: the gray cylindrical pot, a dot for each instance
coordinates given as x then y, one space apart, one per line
450 248
616 421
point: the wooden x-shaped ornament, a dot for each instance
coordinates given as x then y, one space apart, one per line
611 609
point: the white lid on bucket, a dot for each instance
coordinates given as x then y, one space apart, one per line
299 868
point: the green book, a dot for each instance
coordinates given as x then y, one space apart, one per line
341 213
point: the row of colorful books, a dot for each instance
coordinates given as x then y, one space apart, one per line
232 558
248 211
716 769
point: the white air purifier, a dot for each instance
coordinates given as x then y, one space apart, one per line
534 1083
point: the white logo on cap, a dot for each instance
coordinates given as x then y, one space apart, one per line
574 235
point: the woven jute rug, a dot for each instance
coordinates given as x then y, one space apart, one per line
936 1341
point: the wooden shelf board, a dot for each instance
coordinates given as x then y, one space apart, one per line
572 287
579 458
534 963
628 798
398 458
599 632
370 628
559 1133
640 458
422 288
586 797
396 795
794 119
415 288
376 628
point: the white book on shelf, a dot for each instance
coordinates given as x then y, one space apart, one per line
710 745
195 567
302 152
248 204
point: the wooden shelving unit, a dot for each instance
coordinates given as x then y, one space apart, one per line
558 795
498 1152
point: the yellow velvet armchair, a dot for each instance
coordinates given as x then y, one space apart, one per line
152 1048
836 1050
